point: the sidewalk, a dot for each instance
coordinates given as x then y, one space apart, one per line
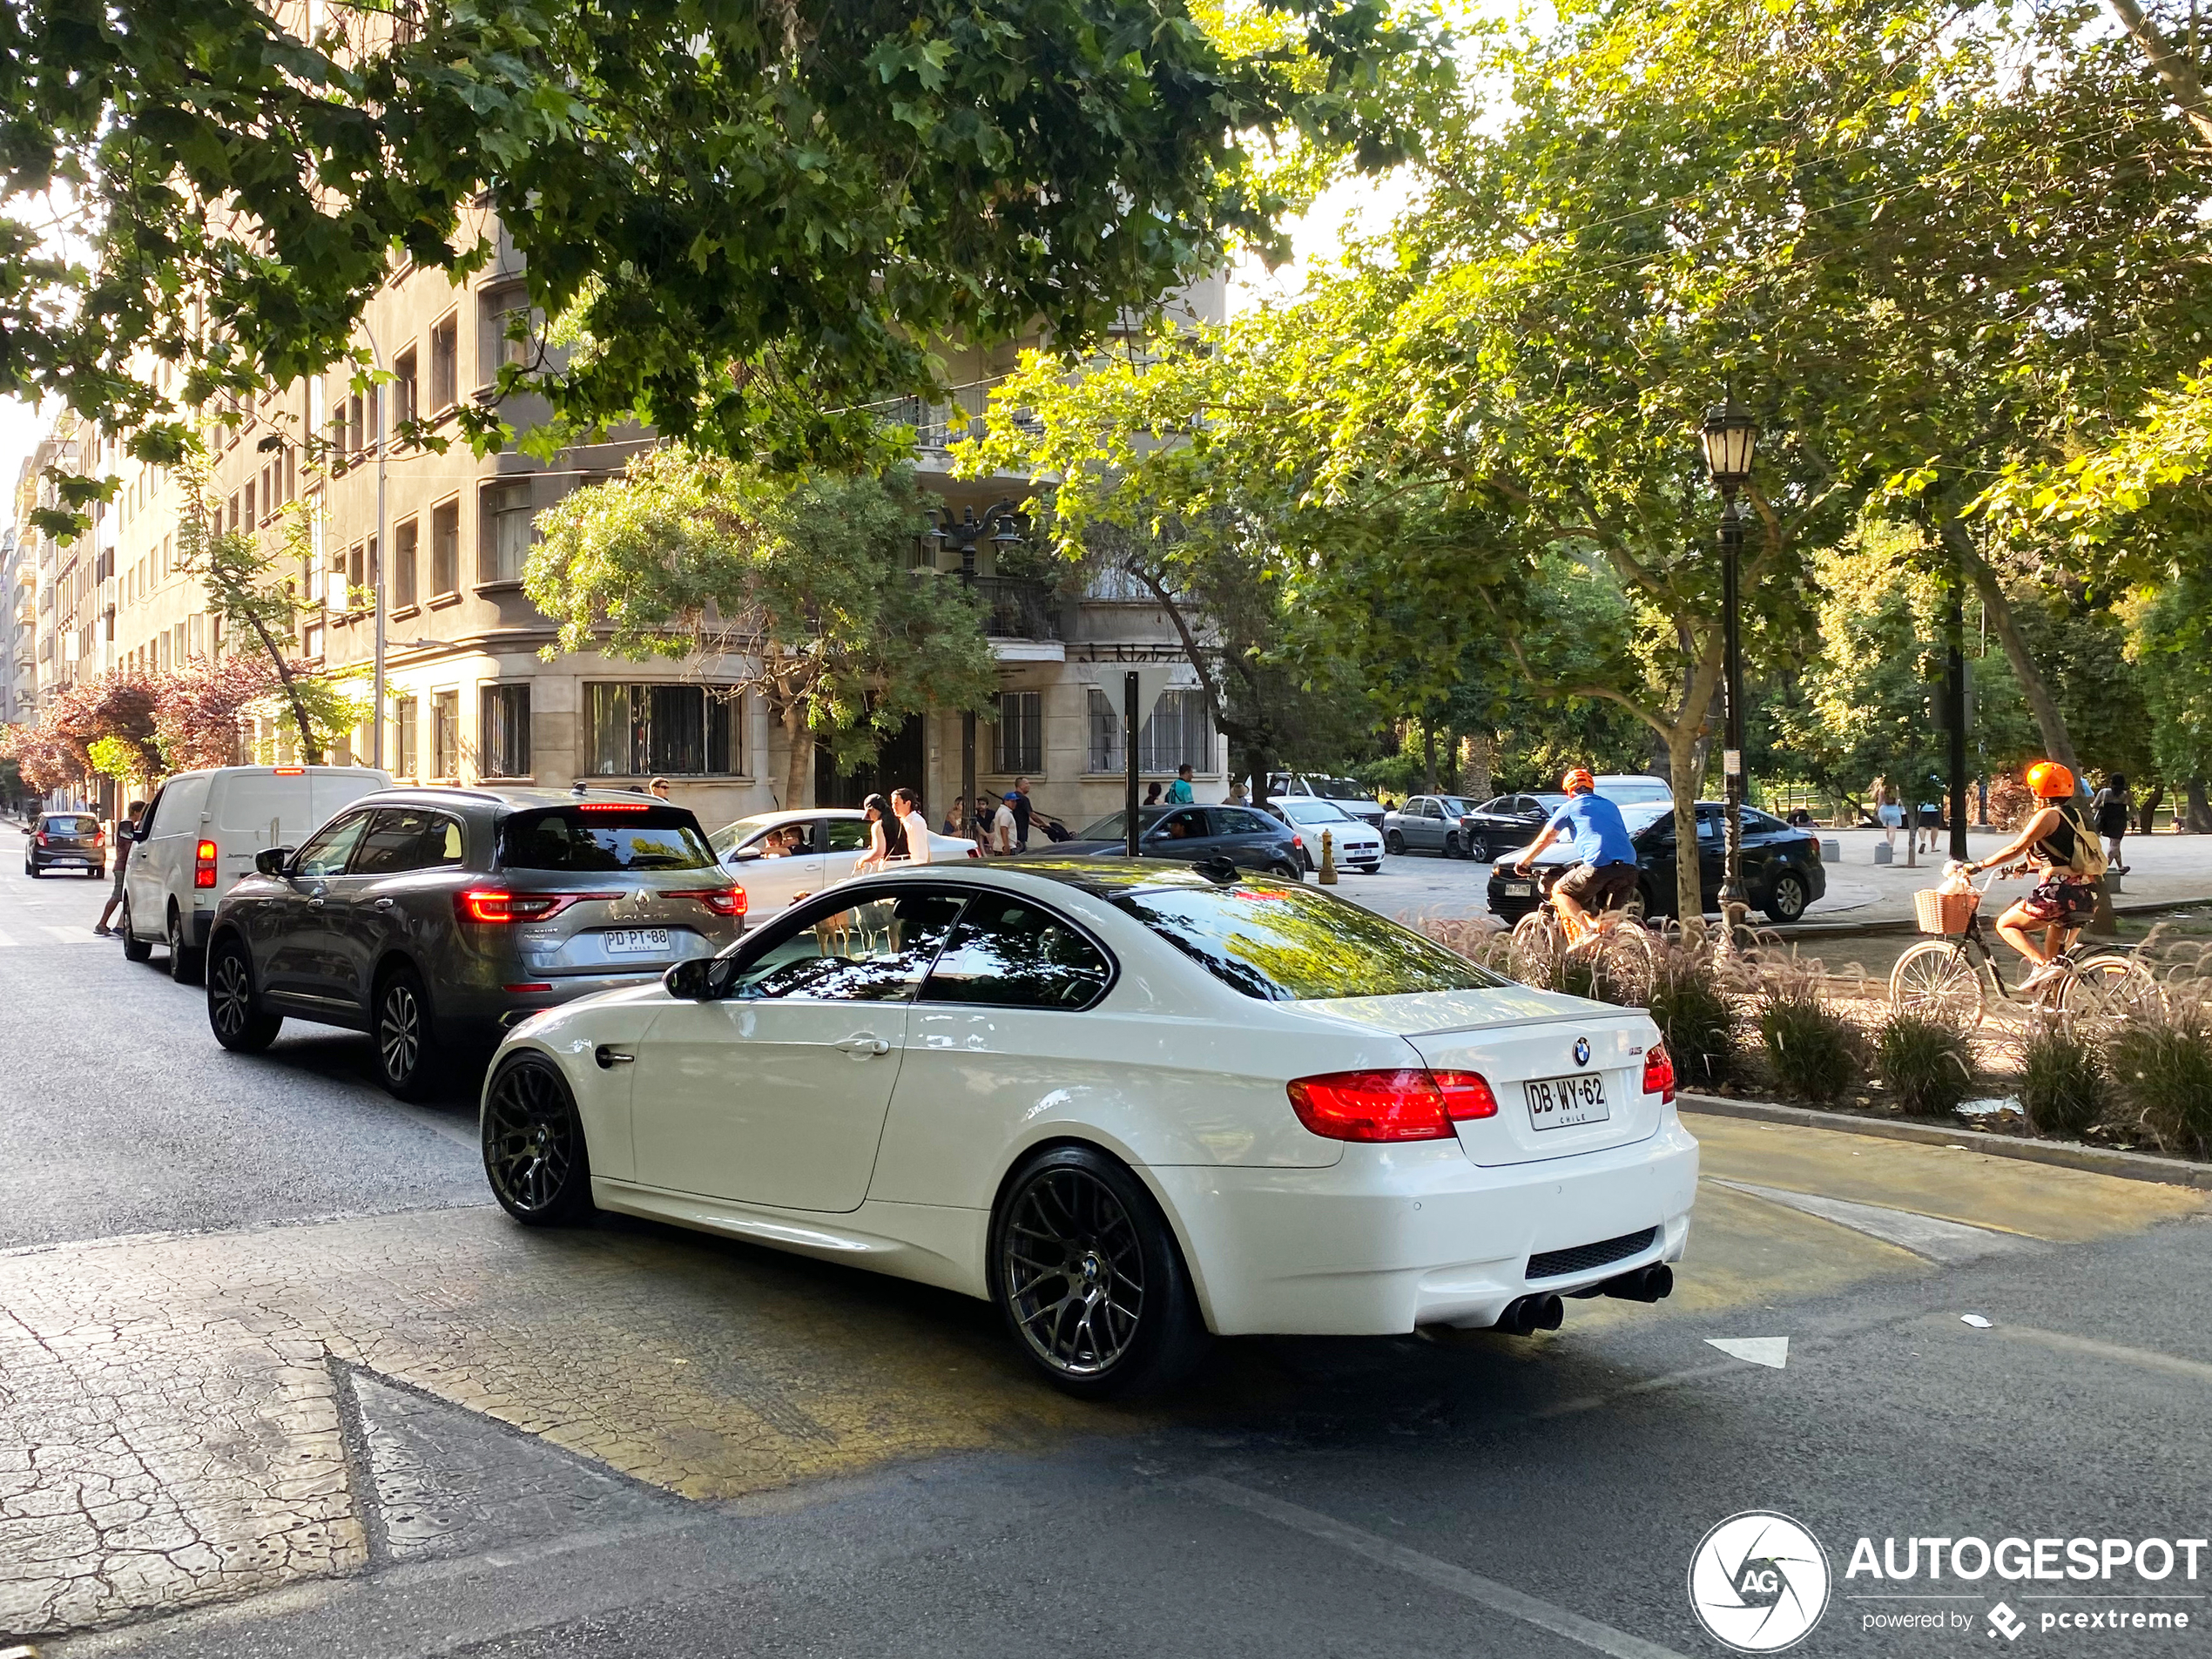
2161 869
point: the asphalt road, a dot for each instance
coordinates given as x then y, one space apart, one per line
634 1441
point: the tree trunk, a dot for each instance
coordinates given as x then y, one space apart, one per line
1690 895
2147 810
1256 760
799 751
1428 758
309 754
1478 776
2057 744
2200 811
2174 68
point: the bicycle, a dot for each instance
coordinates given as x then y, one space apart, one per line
1941 976
1617 946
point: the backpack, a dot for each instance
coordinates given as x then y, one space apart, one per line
2088 862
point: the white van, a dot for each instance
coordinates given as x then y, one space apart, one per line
202 832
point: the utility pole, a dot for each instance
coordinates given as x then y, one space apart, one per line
1954 709
1129 755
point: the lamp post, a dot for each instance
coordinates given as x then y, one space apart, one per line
376 566
1730 437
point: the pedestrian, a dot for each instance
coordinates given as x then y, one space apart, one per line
1006 827
1889 810
1179 791
657 789
885 840
1238 794
1931 821
127 831
2109 811
1021 813
1152 794
914 828
957 819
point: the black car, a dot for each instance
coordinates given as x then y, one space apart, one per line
64 841
1249 839
1782 869
1509 821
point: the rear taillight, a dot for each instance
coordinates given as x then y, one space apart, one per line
723 902
1659 1071
100 838
1297 843
975 852
1407 1105
203 864
497 905
40 837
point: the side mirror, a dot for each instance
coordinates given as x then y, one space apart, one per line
271 860
701 979
745 855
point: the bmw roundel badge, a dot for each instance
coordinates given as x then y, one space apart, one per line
1582 1051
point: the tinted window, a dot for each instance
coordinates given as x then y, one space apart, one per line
399 838
443 844
875 951
1236 820
1284 944
325 852
1013 953
847 834
72 824
1760 824
1189 824
593 836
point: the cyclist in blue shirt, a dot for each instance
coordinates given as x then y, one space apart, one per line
1604 877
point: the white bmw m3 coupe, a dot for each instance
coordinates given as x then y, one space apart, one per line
1130 1106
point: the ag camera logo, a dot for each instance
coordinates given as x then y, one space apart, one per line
1758 1581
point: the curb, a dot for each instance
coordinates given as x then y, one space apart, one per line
1905 924
2067 1155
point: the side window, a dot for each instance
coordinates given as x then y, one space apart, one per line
848 834
443 844
1710 827
394 842
875 950
1430 809
149 822
1415 807
1008 953
326 852
1187 825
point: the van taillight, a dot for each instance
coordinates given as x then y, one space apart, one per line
203 865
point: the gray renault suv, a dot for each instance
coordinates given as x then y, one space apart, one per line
435 918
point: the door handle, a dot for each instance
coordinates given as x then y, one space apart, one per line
866 1043
610 1058
384 904
315 904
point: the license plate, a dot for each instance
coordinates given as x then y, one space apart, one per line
636 941
1558 1102
1520 889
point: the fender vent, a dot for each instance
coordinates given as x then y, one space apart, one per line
1555 1263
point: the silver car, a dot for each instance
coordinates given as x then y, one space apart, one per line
781 857
433 919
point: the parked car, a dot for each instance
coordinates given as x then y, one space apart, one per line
1348 793
1249 838
1129 1105
1356 843
1426 824
1506 820
1627 788
832 840
64 841
203 830
433 919
1782 873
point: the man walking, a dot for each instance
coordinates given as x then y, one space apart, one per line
126 831
1179 791
1021 799
908 811
2109 811
1005 826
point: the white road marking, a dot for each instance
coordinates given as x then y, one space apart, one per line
82 935
1772 1352
2141 1358
1501 1598
1948 1242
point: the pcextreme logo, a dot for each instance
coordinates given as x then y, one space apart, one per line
1758 1581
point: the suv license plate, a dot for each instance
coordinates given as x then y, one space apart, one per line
1520 889
636 941
1559 1102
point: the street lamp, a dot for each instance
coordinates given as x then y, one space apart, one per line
1730 438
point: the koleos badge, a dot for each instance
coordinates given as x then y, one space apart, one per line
1758 1581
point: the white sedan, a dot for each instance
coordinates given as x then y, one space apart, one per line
1356 843
777 857
1131 1107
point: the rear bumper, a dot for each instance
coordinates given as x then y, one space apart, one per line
470 1013
1390 1238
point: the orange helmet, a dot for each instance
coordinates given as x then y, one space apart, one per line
2050 780
1578 780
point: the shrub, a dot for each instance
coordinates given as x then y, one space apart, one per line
1692 1013
1926 1062
2162 1069
2062 1084
1811 1050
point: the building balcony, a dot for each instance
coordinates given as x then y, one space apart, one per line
1020 618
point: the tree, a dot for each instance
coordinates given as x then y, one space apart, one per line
2170 643
801 582
765 211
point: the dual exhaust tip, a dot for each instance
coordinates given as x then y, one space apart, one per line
1544 1310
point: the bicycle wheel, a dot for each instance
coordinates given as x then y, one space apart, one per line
2105 989
1532 954
1627 965
1934 977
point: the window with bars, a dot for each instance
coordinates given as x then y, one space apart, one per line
503 736
639 730
1178 733
407 736
506 543
1020 732
445 734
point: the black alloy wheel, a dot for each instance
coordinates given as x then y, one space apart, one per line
1395 842
1452 847
234 1013
533 1150
135 949
1787 899
406 1048
1089 1279
184 962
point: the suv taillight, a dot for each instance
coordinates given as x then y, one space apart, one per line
1659 1072
1408 1105
203 864
723 902
497 905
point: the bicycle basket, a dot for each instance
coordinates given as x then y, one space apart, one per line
1943 913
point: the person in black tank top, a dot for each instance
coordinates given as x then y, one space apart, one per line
2043 924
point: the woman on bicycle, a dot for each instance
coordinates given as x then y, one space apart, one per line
1604 877
2060 843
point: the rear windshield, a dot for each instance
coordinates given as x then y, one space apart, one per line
592 836
72 824
1282 943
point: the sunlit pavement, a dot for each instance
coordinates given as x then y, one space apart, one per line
414 1426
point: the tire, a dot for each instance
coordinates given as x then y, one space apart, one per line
234 1013
1452 848
1627 966
100 874
1289 872
1532 950
1787 899
31 868
1370 869
1394 844
401 1037
1089 1279
2106 988
534 1154
1934 977
1479 849
184 964
135 949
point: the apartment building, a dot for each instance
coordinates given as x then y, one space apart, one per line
471 696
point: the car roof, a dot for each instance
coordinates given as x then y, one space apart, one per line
454 795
